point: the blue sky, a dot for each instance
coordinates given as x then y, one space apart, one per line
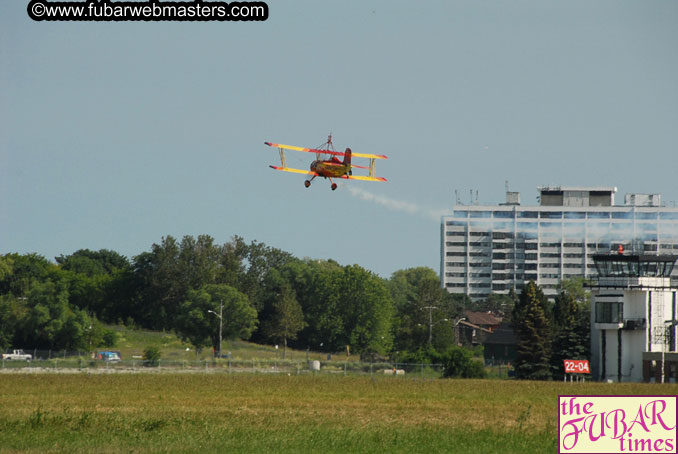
115 134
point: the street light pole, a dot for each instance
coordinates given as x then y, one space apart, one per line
430 323
221 321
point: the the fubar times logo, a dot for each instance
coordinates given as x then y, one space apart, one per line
617 424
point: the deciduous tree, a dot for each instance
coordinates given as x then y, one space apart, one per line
200 327
285 318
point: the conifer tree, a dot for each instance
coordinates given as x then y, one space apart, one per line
569 334
533 334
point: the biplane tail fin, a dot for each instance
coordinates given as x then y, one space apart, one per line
347 157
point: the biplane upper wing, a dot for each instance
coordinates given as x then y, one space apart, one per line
330 152
289 169
370 156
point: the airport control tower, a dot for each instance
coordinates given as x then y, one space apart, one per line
633 318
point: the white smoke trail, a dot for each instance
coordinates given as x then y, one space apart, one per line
396 205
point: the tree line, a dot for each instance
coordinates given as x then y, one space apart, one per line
547 332
263 294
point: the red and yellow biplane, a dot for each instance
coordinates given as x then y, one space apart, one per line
332 167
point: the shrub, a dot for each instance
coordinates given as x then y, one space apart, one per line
152 356
460 364
110 338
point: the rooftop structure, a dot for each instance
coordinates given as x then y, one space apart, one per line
572 196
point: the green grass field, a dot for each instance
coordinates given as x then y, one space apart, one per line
116 413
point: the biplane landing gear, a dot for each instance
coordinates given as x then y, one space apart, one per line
334 186
307 183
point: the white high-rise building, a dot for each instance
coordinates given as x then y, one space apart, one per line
495 248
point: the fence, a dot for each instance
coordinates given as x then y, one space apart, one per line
65 362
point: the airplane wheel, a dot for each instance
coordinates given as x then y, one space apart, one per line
307 183
334 186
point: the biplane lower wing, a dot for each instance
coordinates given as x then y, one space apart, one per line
289 169
345 177
358 177
330 152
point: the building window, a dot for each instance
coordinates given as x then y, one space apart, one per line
527 225
672 216
455 243
503 214
646 215
551 215
480 214
455 233
609 312
621 229
480 244
574 215
622 215
550 225
455 264
479 254
528 214
597 215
